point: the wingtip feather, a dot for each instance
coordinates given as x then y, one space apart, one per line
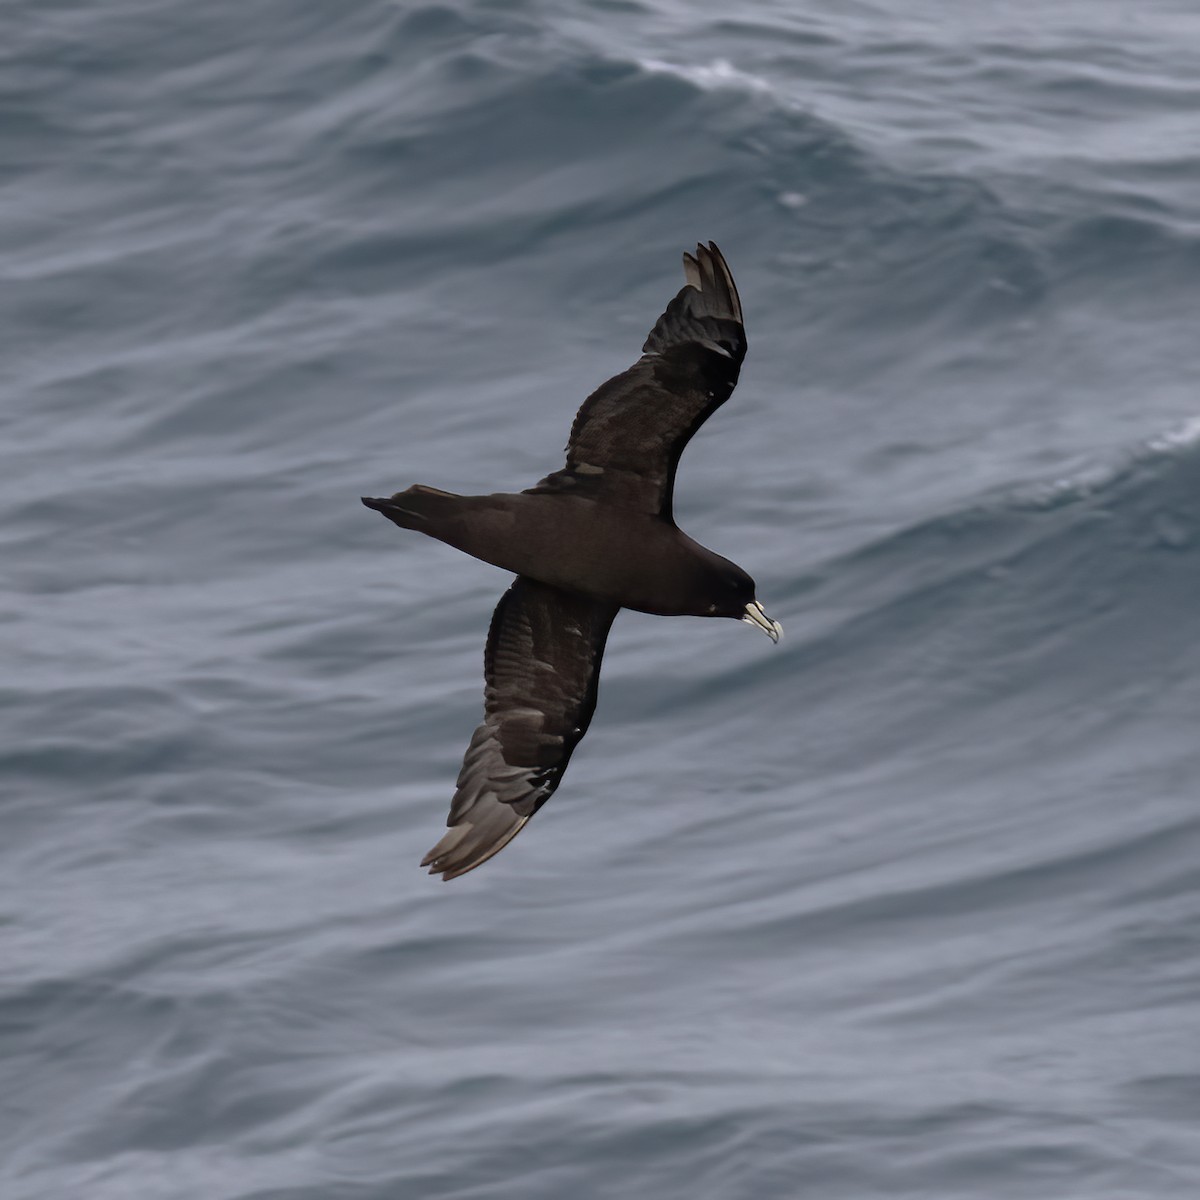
469 844
721 276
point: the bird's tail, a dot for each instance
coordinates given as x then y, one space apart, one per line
414 507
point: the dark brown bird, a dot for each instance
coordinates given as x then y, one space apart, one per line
593 538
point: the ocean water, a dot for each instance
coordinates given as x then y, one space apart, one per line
908 906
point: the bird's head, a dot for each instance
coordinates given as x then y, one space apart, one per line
730 592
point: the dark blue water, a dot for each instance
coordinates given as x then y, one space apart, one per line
905 907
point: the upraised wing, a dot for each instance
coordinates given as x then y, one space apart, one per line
541 669
628 436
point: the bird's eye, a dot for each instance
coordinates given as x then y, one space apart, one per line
712 608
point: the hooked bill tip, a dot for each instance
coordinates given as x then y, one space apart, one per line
755 614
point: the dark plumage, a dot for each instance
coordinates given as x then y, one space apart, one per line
586 541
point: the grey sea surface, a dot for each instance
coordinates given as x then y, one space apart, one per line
907 906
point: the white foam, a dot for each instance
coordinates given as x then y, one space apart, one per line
1097 476
1180 438
718 74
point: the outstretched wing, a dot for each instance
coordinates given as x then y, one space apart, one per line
628 436
541 669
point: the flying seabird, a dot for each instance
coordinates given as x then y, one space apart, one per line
585 542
